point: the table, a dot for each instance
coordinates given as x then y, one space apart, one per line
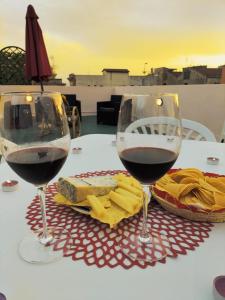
186 277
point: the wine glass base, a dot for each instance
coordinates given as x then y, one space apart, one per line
150 249
34 249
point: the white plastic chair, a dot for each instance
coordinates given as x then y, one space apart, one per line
222 136
192 130
73 118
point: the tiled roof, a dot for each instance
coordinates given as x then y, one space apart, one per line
116 70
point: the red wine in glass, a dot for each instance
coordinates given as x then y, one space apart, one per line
148 144
37 165
147 164
35 143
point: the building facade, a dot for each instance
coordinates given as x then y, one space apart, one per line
109 77
158 76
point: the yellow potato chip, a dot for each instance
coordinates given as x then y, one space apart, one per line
191 187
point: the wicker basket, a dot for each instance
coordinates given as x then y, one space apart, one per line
214 217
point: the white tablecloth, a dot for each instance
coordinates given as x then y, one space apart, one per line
187 277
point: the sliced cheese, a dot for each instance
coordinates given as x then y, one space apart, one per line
128 204
130 189
127 194
97 207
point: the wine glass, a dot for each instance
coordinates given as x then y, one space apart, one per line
35 144
148 143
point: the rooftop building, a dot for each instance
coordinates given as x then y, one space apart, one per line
157 76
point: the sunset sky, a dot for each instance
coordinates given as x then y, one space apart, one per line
85 36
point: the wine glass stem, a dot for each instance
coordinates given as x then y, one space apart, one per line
144 235
45 237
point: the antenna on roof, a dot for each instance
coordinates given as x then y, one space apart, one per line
144 70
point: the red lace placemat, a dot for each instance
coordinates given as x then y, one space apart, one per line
96 244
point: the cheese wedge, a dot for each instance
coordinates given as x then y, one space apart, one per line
77 189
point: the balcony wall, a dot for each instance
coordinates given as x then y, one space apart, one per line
203 103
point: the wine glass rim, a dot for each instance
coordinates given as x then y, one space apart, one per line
38 93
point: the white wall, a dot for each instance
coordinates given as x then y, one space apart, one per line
88 95
90 79
114 78
203 103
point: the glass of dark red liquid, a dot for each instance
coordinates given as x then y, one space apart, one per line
35 143
148 143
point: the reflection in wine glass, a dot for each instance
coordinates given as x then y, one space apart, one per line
148 144
0 151
35 144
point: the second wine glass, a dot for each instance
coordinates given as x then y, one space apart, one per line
148 143
35 144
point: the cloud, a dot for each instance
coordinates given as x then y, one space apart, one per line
209 60
85 36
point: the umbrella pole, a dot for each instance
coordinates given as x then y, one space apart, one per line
42 87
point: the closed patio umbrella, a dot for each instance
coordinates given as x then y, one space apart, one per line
37 63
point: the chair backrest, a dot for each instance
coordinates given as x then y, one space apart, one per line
116 98
222 135
192 130
73 118
71 99
153 125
